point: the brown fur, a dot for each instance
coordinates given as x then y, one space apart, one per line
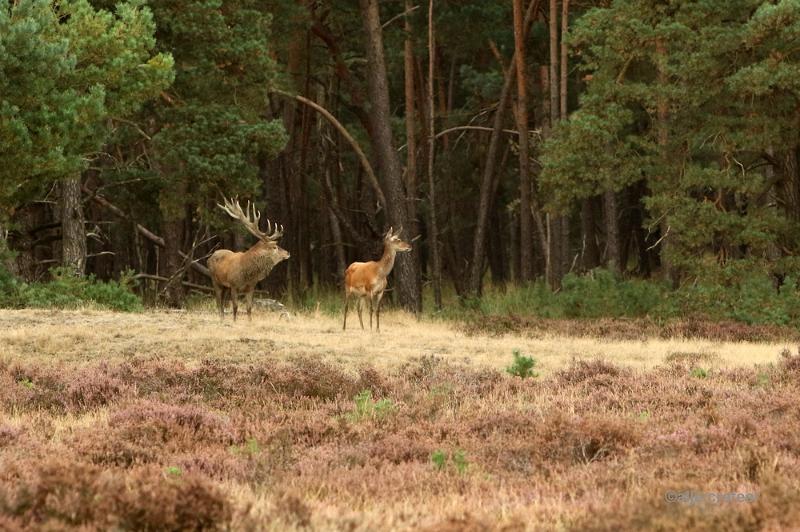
368 279
237 272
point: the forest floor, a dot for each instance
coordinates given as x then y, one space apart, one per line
166 419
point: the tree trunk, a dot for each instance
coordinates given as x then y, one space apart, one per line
388 163
554 51
73 232
525 226
411 132
556 245
434 229
485 201
662 113
590 255
486 197
173 212
612 231
173 238
564 56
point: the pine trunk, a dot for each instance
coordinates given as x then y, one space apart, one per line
388 162
526 225
73 232
434 229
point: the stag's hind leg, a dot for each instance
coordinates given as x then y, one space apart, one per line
234 302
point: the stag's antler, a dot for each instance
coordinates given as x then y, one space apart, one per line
250 218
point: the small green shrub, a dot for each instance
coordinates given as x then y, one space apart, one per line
439 459
251 448
367 408
173 471
522 366
460 461
699 373
66 290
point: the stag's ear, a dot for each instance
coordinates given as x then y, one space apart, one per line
397 234
388 233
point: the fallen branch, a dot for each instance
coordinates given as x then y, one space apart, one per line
152 237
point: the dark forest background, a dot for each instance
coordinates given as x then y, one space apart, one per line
518 143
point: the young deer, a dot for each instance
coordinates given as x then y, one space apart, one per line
368 279
239 272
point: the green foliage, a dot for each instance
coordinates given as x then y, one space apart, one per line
213 140
65 71
522 366
439 459
65 290
703 158
751 299
699 373
251 447
173 471
460 461
367 408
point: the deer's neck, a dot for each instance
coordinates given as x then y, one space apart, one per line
261 260
386 263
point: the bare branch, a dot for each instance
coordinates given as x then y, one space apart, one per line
373 179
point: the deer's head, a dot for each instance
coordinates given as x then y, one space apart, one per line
249 218
394 241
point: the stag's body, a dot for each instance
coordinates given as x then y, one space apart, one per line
238 272
367 280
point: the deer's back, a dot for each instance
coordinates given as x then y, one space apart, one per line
223 265
362 276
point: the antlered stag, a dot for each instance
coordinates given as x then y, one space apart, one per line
239 272
368 279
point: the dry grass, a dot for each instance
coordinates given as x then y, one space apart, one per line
80 337
168 421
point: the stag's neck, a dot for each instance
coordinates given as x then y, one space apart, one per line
386 263
261 260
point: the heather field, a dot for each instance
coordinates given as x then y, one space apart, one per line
172 421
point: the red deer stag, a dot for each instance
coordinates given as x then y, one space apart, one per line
239 272
368 279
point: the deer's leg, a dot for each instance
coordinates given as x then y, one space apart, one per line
371 299
378 298
346 301
234 302
248 297
219 292
360 308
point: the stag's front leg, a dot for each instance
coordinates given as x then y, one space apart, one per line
219 292
234 302
249 300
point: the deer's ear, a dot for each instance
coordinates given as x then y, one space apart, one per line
388 233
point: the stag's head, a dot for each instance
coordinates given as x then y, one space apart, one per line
395 242
249 218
